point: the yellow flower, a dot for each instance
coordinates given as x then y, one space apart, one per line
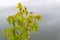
25 8
25 20
19 6
31 24
38 16
19 15
29 15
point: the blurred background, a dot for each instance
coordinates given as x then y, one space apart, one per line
49 28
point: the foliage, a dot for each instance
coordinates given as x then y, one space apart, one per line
22 24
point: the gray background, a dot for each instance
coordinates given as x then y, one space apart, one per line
49 28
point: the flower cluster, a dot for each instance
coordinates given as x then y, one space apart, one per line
22 24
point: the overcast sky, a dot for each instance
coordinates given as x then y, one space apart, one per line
49 28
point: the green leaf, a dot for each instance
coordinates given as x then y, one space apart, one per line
35 27
13 22
9 19
18 22
26 12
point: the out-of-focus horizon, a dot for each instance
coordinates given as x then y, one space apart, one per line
49 28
